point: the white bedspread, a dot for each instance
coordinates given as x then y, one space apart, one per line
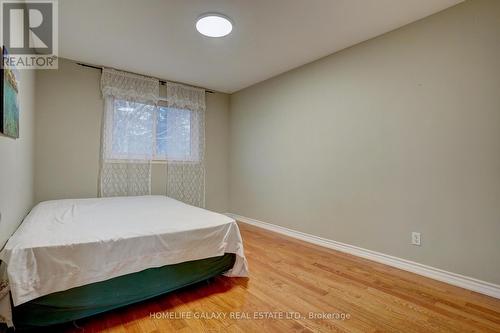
69 243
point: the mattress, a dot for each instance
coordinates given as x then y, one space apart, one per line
65 244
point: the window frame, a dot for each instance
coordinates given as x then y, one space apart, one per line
195 158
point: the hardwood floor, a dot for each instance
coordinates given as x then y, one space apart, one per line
291 278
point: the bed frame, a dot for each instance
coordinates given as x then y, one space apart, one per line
88 300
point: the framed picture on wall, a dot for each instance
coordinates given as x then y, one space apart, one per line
9 90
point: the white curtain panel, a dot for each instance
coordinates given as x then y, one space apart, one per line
128 133
5 306
185 165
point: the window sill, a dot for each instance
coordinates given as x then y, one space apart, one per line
154 161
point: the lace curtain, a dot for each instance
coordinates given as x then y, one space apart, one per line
186 167
127 141
5 306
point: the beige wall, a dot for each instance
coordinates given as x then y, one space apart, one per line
397 134
69 109
16 162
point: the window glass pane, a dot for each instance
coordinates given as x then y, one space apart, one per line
132 130
173 131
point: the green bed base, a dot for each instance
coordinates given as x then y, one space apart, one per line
88 300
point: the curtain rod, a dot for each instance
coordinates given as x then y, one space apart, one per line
162 82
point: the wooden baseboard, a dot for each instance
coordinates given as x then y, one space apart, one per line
455 279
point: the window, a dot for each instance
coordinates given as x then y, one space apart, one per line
173 134
146 132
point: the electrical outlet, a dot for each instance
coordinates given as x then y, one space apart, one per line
415 238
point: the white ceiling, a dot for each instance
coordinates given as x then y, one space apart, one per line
158 37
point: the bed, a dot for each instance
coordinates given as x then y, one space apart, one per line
74 258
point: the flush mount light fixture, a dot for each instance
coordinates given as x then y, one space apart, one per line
214 25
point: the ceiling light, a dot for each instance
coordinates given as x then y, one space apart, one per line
214 25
